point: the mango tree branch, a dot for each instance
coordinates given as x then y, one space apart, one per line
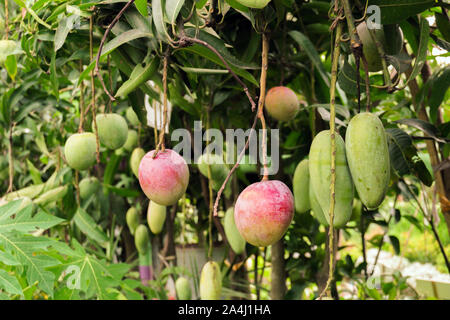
262 98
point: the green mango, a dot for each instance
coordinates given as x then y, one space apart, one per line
88 186
132 117
236 241
183 289
132 140
142 239
320 176
132 218
219 169
80 150
135 160
300 186
255 4
210 281
368 158
316 210
112 130
156 216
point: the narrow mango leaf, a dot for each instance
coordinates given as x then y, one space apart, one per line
54 76
141 6
34 172
400 150
88 226
423 126
393 11
140 74
158 19
64 27
173 8
124 192
11 66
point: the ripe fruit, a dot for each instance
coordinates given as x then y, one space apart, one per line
132 117
236 241
263 212
210 281
141 239
183 289
132 140
112 130
391 47
316 210
255 4
80 150
88 186
132 218
300 186
163 179
156 216
282 103
368 158
135 160
320 175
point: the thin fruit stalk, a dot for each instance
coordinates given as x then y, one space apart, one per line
334 68
262 97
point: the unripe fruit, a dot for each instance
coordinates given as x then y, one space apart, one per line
132 117
281 103
236 241
183 289
88 186
6 47
210 281
219 169
392 47
133 220
132 140
316 210
164 179
255 4
112 130
141 239
368 158
135 160
263 212
80 150
320 176
357 210
300 186
156 216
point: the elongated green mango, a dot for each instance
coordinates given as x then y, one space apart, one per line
132 117
368 158
132 218
183 289
156 216
142 239
135 160
219 169
320 175
210 281
316 210
236 241
300 185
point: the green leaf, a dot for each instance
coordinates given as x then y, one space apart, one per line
124 192
9 283
64 27
400 149
443 25
11 66
25 222
34 172
88 226
141 6
54 76
395 244
311 51
111 169
423 126
173 8
393 11
158 19
439 85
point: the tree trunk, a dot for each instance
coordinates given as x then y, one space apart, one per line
278 275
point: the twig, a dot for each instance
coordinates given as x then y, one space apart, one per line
262 98
161 142
6 20
100 48
82 111
94 107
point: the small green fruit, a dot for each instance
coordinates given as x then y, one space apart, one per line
88 186
301 187
236 241
112 130
316 210
183 289
80 150
133 220
141 239
210 281
132 140
135 160
132 117
156 216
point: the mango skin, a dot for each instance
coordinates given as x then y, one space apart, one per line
282 103
320 175
183 289
132 218
132 140
236 241
156 216
112 130
88 186
210 281
219 170
80 150
132 117
368 158
135 160
300 186
141 239
316 210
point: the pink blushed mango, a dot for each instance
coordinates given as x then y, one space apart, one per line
282 103
164 179
263 212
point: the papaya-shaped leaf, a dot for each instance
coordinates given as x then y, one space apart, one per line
9 283
423 126
393 11
173 8
141 6
25 222
400 150
88 226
